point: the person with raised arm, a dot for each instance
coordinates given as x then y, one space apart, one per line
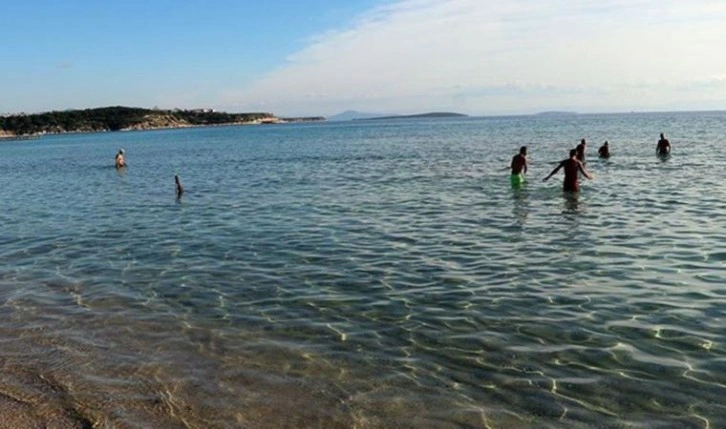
572 166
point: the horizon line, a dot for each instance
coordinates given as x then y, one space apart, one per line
553 112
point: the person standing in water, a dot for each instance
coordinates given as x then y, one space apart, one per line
581 151
604 151
663 147
120 161
519 167
179 188
572 166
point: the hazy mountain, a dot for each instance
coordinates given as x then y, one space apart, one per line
350 115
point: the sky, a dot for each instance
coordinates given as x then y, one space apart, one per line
322 57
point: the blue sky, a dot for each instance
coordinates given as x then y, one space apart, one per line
318 57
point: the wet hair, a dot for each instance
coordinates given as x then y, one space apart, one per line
583 141
573 152
523 149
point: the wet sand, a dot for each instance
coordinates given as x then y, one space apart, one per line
28 400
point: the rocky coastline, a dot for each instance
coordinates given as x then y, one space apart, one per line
110 119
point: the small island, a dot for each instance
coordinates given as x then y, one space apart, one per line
556 113
121 118
431 115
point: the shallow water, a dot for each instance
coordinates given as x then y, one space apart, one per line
366 274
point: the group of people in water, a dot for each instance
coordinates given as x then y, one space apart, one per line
121 163
574 166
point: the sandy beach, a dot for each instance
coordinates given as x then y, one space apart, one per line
28 400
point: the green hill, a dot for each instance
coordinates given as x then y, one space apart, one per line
119 118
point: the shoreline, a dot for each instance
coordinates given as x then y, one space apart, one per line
6 136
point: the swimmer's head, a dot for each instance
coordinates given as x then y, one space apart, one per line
523 150
573 152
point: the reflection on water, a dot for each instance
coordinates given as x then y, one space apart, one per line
368 275
520 206
571 203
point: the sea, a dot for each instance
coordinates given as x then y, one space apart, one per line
366 274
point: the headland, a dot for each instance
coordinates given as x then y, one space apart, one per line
119 118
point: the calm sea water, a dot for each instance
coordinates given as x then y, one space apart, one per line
366 275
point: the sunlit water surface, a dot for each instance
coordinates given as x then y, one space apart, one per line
369 274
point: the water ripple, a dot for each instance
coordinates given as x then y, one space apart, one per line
363 275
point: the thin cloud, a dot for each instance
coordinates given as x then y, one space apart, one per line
477 52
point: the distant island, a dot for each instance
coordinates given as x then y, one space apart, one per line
556 113
351 115
432 115
120 118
